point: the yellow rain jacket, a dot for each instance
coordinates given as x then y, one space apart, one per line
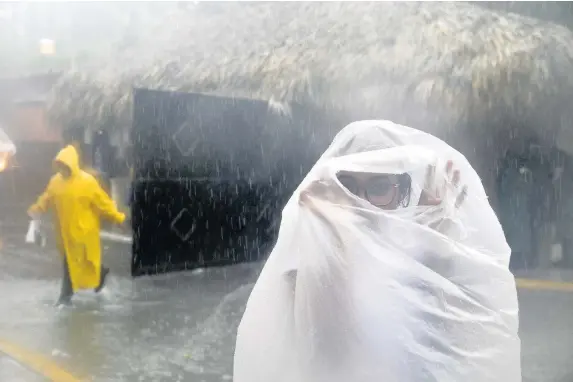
78 203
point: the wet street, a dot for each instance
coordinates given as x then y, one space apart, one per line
181 327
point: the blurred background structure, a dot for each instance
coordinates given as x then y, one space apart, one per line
490 78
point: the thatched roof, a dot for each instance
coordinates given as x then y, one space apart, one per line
454 60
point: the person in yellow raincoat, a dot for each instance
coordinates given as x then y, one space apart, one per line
78 202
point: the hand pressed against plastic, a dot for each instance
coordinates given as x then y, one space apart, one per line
432 193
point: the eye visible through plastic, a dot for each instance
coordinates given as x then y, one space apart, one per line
379 190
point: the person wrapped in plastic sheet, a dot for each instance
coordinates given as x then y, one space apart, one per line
78 202
386 269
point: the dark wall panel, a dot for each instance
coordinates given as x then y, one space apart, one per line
212 176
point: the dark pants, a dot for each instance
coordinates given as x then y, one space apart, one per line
67 291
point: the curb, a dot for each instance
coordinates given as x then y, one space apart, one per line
36 363
532 284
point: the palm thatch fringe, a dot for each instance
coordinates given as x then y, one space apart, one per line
454 60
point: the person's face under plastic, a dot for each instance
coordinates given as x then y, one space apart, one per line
381 190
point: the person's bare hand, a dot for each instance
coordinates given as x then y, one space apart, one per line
33 214
432 194
125 227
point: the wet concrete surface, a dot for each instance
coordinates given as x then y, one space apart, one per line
177 327
11 370
182 326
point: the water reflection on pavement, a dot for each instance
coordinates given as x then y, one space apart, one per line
176 327
11 370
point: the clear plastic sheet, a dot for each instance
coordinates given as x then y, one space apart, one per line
354 292
6 144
